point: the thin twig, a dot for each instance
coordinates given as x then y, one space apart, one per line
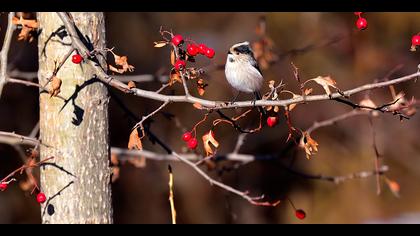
171 194
336 119
5 51
244 195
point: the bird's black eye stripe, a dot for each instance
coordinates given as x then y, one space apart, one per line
244 49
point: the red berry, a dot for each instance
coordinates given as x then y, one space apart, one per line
300 214
76 59
192 49
415 41
3 186
361 23
358 13
272 121
180 65
209 53
192 144
177 40
41 198
202 48
187 136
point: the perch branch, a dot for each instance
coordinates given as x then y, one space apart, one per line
208 104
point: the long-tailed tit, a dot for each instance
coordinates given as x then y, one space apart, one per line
242 71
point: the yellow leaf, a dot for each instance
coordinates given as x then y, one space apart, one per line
207 140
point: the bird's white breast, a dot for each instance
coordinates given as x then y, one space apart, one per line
242 76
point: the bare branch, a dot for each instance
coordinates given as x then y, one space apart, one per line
125 154
336 119
5 51
208 104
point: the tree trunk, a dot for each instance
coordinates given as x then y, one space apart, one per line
78 187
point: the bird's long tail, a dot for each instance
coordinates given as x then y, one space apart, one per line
259 97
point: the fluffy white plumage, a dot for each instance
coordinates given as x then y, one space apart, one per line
241 69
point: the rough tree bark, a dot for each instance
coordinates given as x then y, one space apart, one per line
78 186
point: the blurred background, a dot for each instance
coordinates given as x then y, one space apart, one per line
317 43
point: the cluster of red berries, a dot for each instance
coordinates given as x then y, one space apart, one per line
40 197
192 142
76 59
272 121
192 50
361 22
415 40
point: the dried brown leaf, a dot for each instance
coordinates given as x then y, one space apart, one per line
394 187
308 144
207 140
134 141
160 44
131 84
326 82
55 86
198 106
138 162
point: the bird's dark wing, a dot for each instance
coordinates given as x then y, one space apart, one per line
254 63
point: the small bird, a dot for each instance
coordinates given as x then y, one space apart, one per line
242 71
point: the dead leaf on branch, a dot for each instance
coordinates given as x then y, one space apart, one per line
174 77
207 140
308 144
403 105
121 61
131 84
201 87
138 162
326 82
160 44
28 28
115 168
135 141
394 187
367 102
55 86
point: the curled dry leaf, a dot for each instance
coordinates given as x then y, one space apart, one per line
135 141
55 86
201 87
174 77
308 144
160 44
115 167
131 84
26 184
207 140
393 186
326 82
404 106
367 102
28 28
173 57
138 162
198 106
121 61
